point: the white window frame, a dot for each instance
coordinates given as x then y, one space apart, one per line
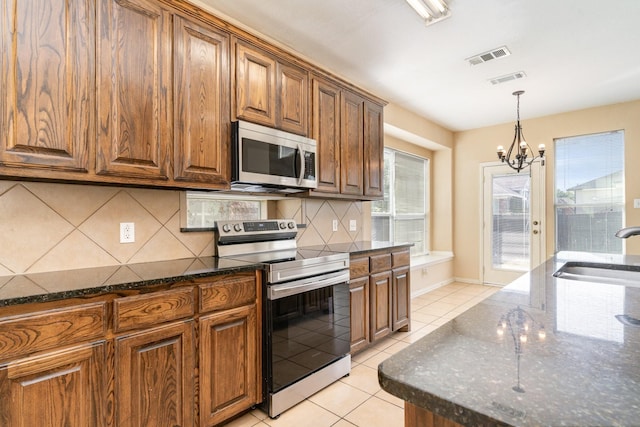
392 215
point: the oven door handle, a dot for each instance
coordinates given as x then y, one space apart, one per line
307 284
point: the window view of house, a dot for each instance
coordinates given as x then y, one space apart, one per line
589 189
402 216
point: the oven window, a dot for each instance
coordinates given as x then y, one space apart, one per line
310 331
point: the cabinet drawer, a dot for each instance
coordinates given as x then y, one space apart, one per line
145 310
358 267
227 293
44 330
400 259
380 263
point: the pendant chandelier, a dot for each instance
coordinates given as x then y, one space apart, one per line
519 155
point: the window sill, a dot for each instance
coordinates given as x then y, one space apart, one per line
431 259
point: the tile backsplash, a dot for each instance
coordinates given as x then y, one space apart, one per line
53 227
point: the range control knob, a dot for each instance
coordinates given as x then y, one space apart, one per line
291 225
226 228
237 227
283 225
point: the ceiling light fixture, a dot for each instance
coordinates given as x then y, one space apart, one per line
522 150
431 11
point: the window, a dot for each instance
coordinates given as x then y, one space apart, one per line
402 216
203 209
589 189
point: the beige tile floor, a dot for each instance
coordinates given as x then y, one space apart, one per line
358 400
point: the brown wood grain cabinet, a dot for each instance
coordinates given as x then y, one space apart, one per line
186 353
348 129
325 129
134 89
202 103
154 376
269 90
47 85
380 289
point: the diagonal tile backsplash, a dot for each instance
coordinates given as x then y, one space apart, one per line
52 227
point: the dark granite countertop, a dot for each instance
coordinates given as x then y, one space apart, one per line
585 371
360 247
57 285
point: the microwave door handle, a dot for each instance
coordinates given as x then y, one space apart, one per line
302 164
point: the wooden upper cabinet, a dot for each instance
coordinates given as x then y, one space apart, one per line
133 82
47 85
373 150
351 149
269 91
201 93
325 129
255 85
293 89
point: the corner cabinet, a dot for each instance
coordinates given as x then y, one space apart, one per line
380 289
269 90
348 129
157 356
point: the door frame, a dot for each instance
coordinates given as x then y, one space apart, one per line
537 246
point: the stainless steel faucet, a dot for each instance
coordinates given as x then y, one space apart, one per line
628 232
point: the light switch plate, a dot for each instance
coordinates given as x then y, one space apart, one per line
335 225
352 225
636 203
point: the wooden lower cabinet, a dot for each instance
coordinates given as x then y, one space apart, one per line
401 295
155 372
59 388
380 288
182 354
359 302
380 305
229 371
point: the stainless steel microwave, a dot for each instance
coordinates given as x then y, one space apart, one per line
264 158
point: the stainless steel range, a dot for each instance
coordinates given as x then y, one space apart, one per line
306 323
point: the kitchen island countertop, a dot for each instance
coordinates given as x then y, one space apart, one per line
579 365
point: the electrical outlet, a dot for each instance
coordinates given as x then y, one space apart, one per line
127 232
352 225
335 225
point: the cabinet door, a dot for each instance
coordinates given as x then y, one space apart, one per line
229 364
401 299
61 388
155 377
134 72
373 150
202 127
47 84
359 303
380 291
255 85
351 144
293 89
326 131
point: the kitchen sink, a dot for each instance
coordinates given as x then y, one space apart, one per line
615 274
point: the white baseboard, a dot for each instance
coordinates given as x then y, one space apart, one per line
431 288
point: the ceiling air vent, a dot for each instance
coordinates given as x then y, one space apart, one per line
500 52
508 78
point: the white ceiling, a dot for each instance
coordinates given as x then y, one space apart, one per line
576 53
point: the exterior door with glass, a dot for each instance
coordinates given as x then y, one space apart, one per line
513 221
